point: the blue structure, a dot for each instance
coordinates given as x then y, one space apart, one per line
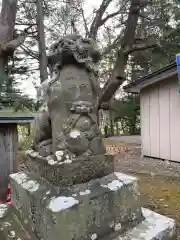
178 67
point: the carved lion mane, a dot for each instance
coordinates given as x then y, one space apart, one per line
81 51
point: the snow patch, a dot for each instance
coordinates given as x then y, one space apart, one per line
114 185
32 153
158 223
12 234
3 209
50 160
155 226
86 192
68 161
31 185
94 236
19 177
61 203
111 225
126 179
7 224
74 134
59 155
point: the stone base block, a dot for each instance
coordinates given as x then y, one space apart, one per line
101 207
68 173
154 227
11 227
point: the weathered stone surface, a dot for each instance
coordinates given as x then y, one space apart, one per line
106 209
69 172
96 146
45 148
100 206
11 227
154 227
70 101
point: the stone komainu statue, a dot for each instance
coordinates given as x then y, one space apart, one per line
66 126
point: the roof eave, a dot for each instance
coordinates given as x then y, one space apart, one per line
160 75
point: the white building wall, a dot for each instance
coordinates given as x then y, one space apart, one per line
160 120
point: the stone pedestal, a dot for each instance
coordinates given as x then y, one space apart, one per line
105 208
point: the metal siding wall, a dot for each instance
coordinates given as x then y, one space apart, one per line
164 113
154 121
174 120
145 123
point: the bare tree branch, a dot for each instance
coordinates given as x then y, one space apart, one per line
85 22
12 45
25 24
140 47
97 20
127 43
145 17
30 52
74 27
112 46
110 16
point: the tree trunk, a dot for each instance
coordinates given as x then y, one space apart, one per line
41 41
127 42
7 23
8 132
111 122
117 129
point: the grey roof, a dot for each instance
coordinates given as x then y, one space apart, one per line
159 74
8 115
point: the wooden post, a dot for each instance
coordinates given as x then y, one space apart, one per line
8 151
